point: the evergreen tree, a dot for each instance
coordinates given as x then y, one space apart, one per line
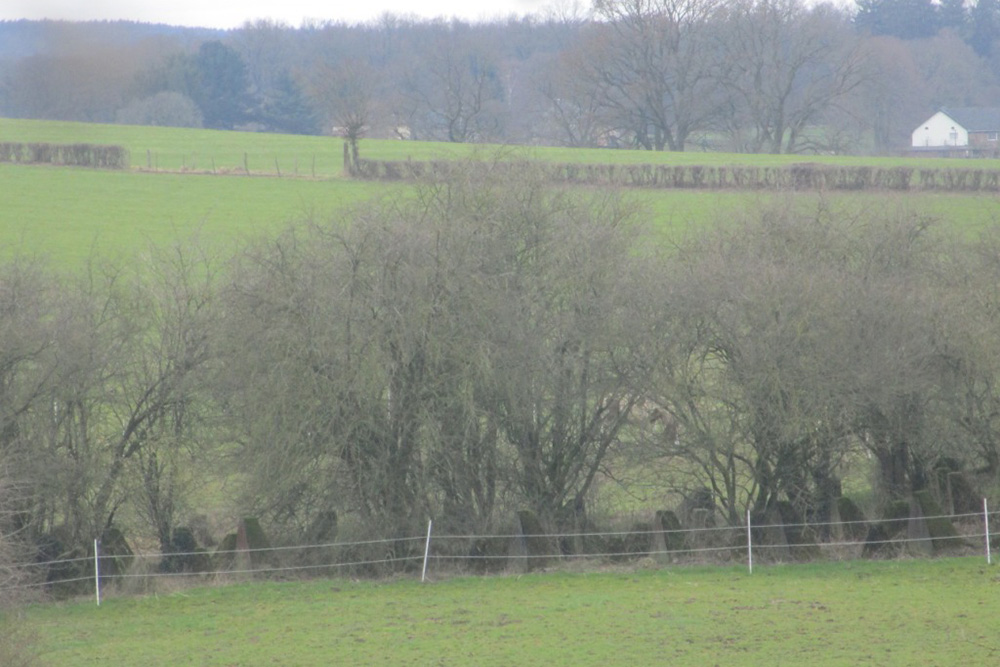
985 26
286 108
223 87
906 19
953 15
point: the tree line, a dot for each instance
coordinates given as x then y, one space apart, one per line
753 75
489 345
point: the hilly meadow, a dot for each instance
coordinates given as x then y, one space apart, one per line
281 399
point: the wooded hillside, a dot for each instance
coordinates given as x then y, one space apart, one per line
748 76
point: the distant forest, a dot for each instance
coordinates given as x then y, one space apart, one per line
749 76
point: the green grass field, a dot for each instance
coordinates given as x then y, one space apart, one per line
68 214
934 612
939 612
176 148
64 213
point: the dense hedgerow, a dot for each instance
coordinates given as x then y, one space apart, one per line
72 155
808 176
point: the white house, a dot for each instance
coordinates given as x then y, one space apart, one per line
975 127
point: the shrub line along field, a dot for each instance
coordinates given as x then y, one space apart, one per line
795 177
901 613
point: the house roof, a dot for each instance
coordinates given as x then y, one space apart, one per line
976 119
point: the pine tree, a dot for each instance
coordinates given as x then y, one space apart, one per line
286 108
223 90
985 26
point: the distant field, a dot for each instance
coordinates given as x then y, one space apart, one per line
64 213
174 148
872 613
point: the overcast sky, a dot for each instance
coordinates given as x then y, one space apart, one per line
232 13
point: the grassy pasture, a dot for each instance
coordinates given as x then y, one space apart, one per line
878 613
64 213
177 148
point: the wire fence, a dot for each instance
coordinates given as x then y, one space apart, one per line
431 555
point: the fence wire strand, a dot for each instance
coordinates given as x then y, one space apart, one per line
697 542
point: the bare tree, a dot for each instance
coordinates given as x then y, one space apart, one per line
573 109
17 642
898 289
456 90
347 91
886 103
797 340
267 47
90 84
117 380
434 355
784 65
173 452
974 398
26 295
563 338
654 68
951 74
329 405
753 317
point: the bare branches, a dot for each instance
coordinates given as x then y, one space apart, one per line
436 355
651 63
784 65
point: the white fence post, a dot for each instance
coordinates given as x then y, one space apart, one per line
749 545
427 550
97 574
986 521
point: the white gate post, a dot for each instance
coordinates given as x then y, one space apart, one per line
427 550
749 545
986 521
97 574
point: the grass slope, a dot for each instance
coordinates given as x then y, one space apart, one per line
63 213
902 613
67 213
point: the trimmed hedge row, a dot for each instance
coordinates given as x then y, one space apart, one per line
75 155
793 177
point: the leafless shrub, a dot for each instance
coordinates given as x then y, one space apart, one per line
17 641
